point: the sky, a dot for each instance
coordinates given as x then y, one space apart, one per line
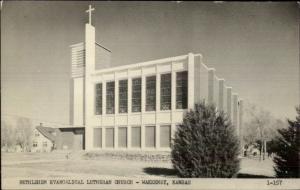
253 45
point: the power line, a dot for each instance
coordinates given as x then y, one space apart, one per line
103 47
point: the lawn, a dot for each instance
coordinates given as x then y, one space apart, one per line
119 164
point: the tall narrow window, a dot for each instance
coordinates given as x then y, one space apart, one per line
181 90
151 93
136 94
123 93
98 100
122 137
165 136
110 98
136 137
34 144
109 137
150 136
97 137
165 91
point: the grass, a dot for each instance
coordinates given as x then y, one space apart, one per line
26 156
109 163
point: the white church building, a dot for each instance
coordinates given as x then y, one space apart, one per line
138 106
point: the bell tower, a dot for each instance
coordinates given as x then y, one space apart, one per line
89 69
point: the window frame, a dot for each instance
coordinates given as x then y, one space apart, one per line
121 97
170 93
34 144
169 135
154 94
109 96
113 137
126 129
140 137
135 98
101 110
101 142
176 91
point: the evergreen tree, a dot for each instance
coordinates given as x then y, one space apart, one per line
287 150
206 144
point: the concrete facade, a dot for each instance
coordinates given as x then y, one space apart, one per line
142 130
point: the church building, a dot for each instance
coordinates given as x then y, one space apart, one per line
138 106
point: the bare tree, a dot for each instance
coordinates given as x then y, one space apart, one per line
260 125
272 130
7 135
24 133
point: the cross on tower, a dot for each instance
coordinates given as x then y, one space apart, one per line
90 13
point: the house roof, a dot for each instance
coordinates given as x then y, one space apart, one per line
47 132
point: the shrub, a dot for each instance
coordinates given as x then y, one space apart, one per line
287 150
205 144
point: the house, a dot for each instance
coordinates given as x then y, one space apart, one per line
47 139
43 139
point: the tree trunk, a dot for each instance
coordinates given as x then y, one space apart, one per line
260 149
265 148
